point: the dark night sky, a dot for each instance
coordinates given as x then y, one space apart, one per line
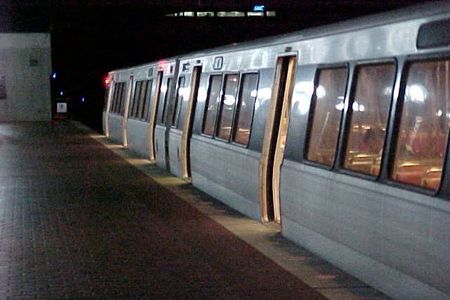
89 38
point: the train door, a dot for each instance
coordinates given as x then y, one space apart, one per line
188 121
275 138
153 113
125 113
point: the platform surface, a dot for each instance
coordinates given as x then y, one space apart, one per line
82 218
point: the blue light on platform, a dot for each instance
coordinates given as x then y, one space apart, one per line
54 75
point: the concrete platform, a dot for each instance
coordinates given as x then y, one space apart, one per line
83 218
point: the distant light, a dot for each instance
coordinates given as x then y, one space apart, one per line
205 14
259 7
54 75
189 14
83 99
61 93
255 14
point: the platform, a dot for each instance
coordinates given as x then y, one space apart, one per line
83 218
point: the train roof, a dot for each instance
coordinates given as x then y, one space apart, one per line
430 9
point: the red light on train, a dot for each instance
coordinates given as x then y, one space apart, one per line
107 81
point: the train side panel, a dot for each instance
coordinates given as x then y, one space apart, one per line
227 173
393 239
175 151
138 137
160 145
115 122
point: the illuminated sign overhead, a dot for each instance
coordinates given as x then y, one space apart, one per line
259 7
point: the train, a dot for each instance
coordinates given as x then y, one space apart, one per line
338 135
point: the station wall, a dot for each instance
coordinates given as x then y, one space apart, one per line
25 67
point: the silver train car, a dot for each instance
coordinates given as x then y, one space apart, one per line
339 134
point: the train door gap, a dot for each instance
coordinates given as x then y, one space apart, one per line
275 138
188 122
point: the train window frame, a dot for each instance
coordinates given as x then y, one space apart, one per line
123 99
219 108
353 78
148 99
114 97
158 78
133 101
205 109
311 112
117 96
390 157
234 127
142 100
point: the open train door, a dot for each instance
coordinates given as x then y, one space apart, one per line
275 138
152 118
188 121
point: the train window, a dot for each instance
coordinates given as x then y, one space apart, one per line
134 104
118 91
369 108
148 93
122 99
424 125
227 106
143 91
113 99
215 84
178 101
246 104
166 100
328 104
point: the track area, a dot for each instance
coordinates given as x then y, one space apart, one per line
78 221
